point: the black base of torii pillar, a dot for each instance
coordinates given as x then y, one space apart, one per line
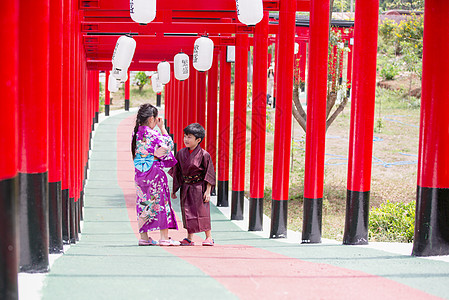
223 193
55 218
33 229
432 222
8 241
158 99
65 216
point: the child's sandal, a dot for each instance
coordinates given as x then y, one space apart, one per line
208 242
169 242
187 242
149 242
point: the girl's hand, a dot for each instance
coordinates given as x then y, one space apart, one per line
173 196
160 124
160 152
206 197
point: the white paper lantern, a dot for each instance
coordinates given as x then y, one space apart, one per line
156 83
119 74
249 12
163 69
123 52
296 48
142 11
203 54
181 66
113 84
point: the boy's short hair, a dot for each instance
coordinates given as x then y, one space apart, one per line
196 130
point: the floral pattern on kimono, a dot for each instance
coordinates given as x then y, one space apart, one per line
153 206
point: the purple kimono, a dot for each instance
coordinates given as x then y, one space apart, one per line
192 173
154 211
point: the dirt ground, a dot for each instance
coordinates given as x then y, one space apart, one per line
394 169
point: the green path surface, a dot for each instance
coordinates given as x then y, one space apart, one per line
107 264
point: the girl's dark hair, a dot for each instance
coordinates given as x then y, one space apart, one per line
196 130
145 111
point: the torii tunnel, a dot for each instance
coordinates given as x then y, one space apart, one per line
53 52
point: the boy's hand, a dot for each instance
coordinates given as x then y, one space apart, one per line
173 196
206 197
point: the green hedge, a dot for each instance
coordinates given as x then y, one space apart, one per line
392 222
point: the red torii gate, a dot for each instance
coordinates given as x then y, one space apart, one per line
61 170
163 37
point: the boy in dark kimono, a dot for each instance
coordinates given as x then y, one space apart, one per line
194 174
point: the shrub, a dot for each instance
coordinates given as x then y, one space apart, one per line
392 222
378 125
389 71
387 29
411 31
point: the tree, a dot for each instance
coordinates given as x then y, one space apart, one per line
141 80
402 4
341 5
336 94
403 43
410 37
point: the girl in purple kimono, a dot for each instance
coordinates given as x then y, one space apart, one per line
152 152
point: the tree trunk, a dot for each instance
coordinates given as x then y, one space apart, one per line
338 111
331 5
331 99
298 111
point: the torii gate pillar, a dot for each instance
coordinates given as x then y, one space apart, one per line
258 125
432 199
107 95
9 24
224 130
211 121
239 133
362 122
33 120
283 126
127 92
316 121
55 127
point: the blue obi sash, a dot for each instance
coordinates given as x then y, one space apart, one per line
143 164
